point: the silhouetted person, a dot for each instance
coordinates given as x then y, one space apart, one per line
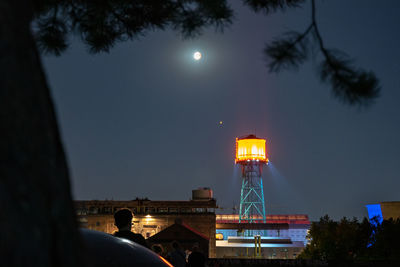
177 257
196 258
123 221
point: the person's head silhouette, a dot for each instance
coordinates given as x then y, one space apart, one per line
175 245
123 220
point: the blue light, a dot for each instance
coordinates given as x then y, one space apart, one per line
374 213
375 218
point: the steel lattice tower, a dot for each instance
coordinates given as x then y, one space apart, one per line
251 155
252 205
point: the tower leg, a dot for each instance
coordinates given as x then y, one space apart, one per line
252 205
241 202
262 200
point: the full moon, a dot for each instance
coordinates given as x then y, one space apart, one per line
197 55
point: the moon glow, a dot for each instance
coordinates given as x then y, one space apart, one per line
197 55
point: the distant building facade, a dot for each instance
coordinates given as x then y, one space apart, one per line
151 217
384 210
282 236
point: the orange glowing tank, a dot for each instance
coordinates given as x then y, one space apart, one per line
251 148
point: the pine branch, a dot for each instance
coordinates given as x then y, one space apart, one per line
268 6
350 85
51 36
288 52
102 24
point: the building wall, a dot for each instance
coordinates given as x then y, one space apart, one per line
390 210
295 234
150 217
266 252
384 211
297 227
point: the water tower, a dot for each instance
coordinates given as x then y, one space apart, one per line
251 154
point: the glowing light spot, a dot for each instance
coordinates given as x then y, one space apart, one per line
197 55
254 150
126 240
165 261
251 149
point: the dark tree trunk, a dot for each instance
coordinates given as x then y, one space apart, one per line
37 220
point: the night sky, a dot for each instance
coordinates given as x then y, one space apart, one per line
143 120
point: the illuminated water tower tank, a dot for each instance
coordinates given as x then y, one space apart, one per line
251 155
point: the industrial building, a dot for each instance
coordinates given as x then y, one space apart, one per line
151 217
286 233
281 236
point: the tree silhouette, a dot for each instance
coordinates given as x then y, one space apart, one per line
351 240
101 24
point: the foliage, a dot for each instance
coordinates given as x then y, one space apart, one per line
349 84
353 240
386 240
102 24
268 6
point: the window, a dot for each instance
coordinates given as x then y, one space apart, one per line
106 210
163 210
200 210
81 211
173 210
186 210
93 210
149 210
149 226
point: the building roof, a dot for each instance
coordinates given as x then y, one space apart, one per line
270 219
211 203
250 136
145 206
180 232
